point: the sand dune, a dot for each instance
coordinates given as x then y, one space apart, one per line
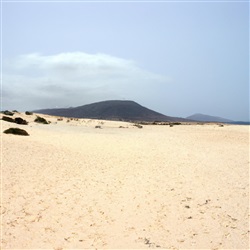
70 185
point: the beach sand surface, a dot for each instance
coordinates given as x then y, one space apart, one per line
70 185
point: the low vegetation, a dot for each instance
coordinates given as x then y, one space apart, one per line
41 120
28 113
174 123
16 131
20 120
17 120
8 119
138 125
160 123
7 112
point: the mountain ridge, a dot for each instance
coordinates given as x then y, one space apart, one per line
112 110
207 118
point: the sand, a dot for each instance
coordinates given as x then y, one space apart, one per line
70 185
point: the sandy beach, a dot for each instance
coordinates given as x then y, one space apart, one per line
70 185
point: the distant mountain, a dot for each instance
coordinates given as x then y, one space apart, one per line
240 123
208 118
112 110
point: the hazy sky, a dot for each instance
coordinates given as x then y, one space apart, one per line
176 57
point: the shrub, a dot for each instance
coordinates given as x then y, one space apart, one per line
8 119
97 126
41 120
28 113
6 112
16 131
174 123
20 120
17 120
138 125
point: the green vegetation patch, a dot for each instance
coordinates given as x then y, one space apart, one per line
41 120
8 119
16 131
20 120
7 112
17 120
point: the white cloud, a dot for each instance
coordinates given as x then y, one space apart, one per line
69 79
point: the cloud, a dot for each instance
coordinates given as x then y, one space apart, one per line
69 79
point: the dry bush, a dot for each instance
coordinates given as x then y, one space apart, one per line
8 119
20 120
16 131
41 120
138 125
7 112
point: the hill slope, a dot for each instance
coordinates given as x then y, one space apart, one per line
207 118
111 110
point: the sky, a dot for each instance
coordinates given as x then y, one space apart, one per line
175 57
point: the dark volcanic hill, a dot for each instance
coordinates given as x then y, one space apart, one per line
208 118
111 110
